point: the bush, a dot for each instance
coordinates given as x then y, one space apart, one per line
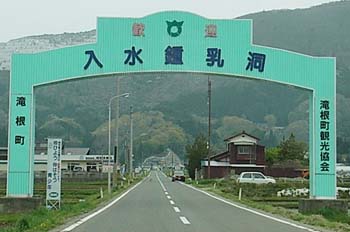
334 215
22 225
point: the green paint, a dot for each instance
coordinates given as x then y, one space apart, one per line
114 36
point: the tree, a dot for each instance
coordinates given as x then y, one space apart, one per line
231 125
68 129
195 153
291 149
270 140
272 155
299 129
161 134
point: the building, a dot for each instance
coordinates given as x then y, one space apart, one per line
243 154
72 159
3 153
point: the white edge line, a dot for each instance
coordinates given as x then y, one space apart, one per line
81 221
250 210
185 221
177 210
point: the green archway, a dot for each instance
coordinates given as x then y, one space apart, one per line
166 42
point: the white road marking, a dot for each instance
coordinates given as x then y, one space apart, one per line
176 209
164 174
81 221
185 221
160 182
250 210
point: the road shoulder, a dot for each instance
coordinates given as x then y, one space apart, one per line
270 215
72 223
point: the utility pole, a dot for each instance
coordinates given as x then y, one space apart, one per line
209 123
116 161
141 142
109 148
172 162
126 156
109 136
131 140
141 137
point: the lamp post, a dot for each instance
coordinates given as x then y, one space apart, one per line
131 144
117 121
109 137
209 124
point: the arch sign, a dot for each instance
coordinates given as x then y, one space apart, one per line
173 42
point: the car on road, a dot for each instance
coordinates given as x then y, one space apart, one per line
255 178
178 175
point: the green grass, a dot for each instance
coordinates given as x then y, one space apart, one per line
263 197
77 198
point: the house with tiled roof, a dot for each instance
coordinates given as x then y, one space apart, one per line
244 153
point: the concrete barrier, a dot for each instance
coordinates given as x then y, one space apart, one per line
315 205
14 205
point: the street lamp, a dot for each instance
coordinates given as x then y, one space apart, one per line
109 137
209 123
131 144
117 122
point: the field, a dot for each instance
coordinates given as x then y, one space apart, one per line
77 198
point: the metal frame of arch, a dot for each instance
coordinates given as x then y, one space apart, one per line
173 42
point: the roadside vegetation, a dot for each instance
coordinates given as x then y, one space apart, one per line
264 197
77 198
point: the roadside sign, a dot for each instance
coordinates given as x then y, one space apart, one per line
53 186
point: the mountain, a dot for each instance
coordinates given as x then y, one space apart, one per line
38 43
318 31
182 98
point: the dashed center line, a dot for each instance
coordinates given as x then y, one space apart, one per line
160 182
185 221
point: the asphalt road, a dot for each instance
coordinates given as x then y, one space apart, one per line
159 205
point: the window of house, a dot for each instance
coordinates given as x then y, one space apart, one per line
242 150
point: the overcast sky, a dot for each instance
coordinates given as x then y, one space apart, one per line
20 18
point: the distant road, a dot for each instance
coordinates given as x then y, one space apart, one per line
159 205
